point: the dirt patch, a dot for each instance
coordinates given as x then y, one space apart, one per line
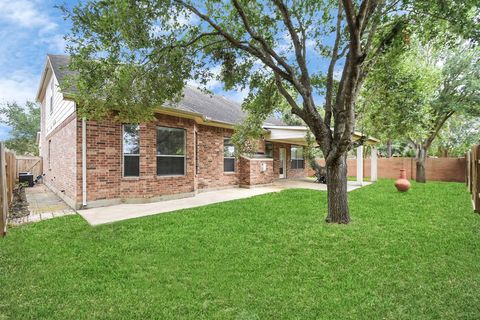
19 207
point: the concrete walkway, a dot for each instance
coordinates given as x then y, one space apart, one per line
102 215
43 204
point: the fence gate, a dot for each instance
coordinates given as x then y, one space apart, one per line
473 176
30 164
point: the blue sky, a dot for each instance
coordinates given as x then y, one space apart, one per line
29 29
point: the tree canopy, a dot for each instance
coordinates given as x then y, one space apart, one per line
24 122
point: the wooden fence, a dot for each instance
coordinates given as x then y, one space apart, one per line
472 176
30 164
8 178
437 169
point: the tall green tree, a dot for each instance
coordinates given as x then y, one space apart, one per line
132 56
457 136
411 95
24 122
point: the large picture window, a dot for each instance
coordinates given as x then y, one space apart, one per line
170 151
297 157
228 155
131 150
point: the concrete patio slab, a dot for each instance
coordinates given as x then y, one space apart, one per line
309 183
103 215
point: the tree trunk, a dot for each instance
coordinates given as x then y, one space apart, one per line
421 158
337 191
389 148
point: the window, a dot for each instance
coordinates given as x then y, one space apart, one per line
268 149
131 150
51 96
170 151
196 154
228 155
297 157
49 154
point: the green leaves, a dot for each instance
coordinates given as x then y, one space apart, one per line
25 124
410 94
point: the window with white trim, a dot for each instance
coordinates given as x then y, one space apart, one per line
171 158
228 155
131 150
296 154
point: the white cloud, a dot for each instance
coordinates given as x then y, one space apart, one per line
26 14
19 86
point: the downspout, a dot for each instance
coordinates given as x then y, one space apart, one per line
84 163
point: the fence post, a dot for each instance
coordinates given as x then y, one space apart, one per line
476 178
3 192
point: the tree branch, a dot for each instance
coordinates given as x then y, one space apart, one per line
331 67
235 42
296 43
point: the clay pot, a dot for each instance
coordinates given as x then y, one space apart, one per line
402 184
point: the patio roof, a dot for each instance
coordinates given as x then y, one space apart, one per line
297 135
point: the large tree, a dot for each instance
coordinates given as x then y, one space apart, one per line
133 56
411 95
24 122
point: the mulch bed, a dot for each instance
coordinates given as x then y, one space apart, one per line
19 207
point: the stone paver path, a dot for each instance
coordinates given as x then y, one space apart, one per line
43 204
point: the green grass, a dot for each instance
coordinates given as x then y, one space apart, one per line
412 255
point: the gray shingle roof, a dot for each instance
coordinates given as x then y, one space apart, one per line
212 107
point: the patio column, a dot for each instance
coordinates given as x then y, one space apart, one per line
373 166
360 164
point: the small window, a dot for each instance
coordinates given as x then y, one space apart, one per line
49 154
297 158
170 151
131 150
51 96
268 149
197 160
228 155
51 104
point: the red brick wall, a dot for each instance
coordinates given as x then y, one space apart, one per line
210 155
59 162
105 179
251 171
437 169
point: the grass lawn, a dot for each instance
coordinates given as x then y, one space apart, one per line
404 256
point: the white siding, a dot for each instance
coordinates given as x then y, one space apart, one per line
61 108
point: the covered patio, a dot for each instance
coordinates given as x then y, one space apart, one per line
297 135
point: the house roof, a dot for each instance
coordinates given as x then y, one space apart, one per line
211 107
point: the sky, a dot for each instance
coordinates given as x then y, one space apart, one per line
29 30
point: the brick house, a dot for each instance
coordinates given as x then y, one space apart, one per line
186 150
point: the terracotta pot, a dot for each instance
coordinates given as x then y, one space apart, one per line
402 184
